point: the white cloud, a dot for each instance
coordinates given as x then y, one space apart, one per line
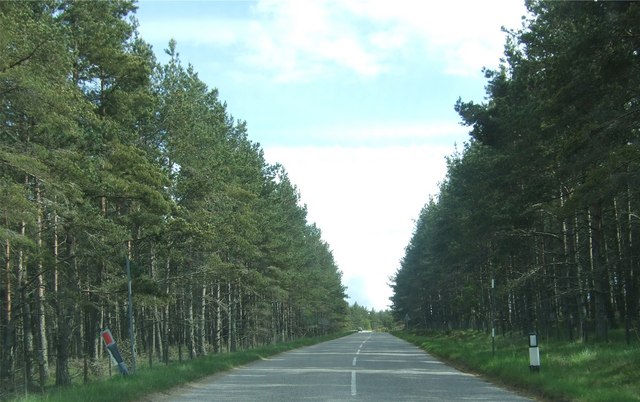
463 35
408 132
298 40
389 39
365 201
204 30
380 134
302 37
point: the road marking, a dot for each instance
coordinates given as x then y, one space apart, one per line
354 391
412 371
353 383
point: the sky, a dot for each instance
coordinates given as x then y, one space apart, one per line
355 98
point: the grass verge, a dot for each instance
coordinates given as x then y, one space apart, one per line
163 377
569 371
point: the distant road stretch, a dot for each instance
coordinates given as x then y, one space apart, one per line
359 367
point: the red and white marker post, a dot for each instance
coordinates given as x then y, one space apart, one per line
112 347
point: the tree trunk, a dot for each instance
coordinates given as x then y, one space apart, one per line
218 341
41 333
8 346
600 274
191 321
27 332
153 313
240 332
230 319
572 293
165 320
64 313
274 322
180 327
202 338
157 334
620 293
64 317
631 288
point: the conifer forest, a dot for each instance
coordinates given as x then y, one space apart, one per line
112 163
537 223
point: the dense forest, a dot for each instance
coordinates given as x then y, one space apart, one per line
361 318
111 162
537 223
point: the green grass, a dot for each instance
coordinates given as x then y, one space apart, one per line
569 371
163 377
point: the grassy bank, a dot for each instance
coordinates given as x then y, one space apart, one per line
570 371
163 377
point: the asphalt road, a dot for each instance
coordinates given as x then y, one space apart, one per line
359 367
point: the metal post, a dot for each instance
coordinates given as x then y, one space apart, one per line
132 336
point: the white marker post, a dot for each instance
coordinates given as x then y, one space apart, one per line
534 353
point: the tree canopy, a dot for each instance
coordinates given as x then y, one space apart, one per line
536 225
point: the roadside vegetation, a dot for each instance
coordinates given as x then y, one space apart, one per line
569 371
147 381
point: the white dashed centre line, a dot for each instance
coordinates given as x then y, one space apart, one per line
354 390
353 383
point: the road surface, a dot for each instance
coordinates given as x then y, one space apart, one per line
359 367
